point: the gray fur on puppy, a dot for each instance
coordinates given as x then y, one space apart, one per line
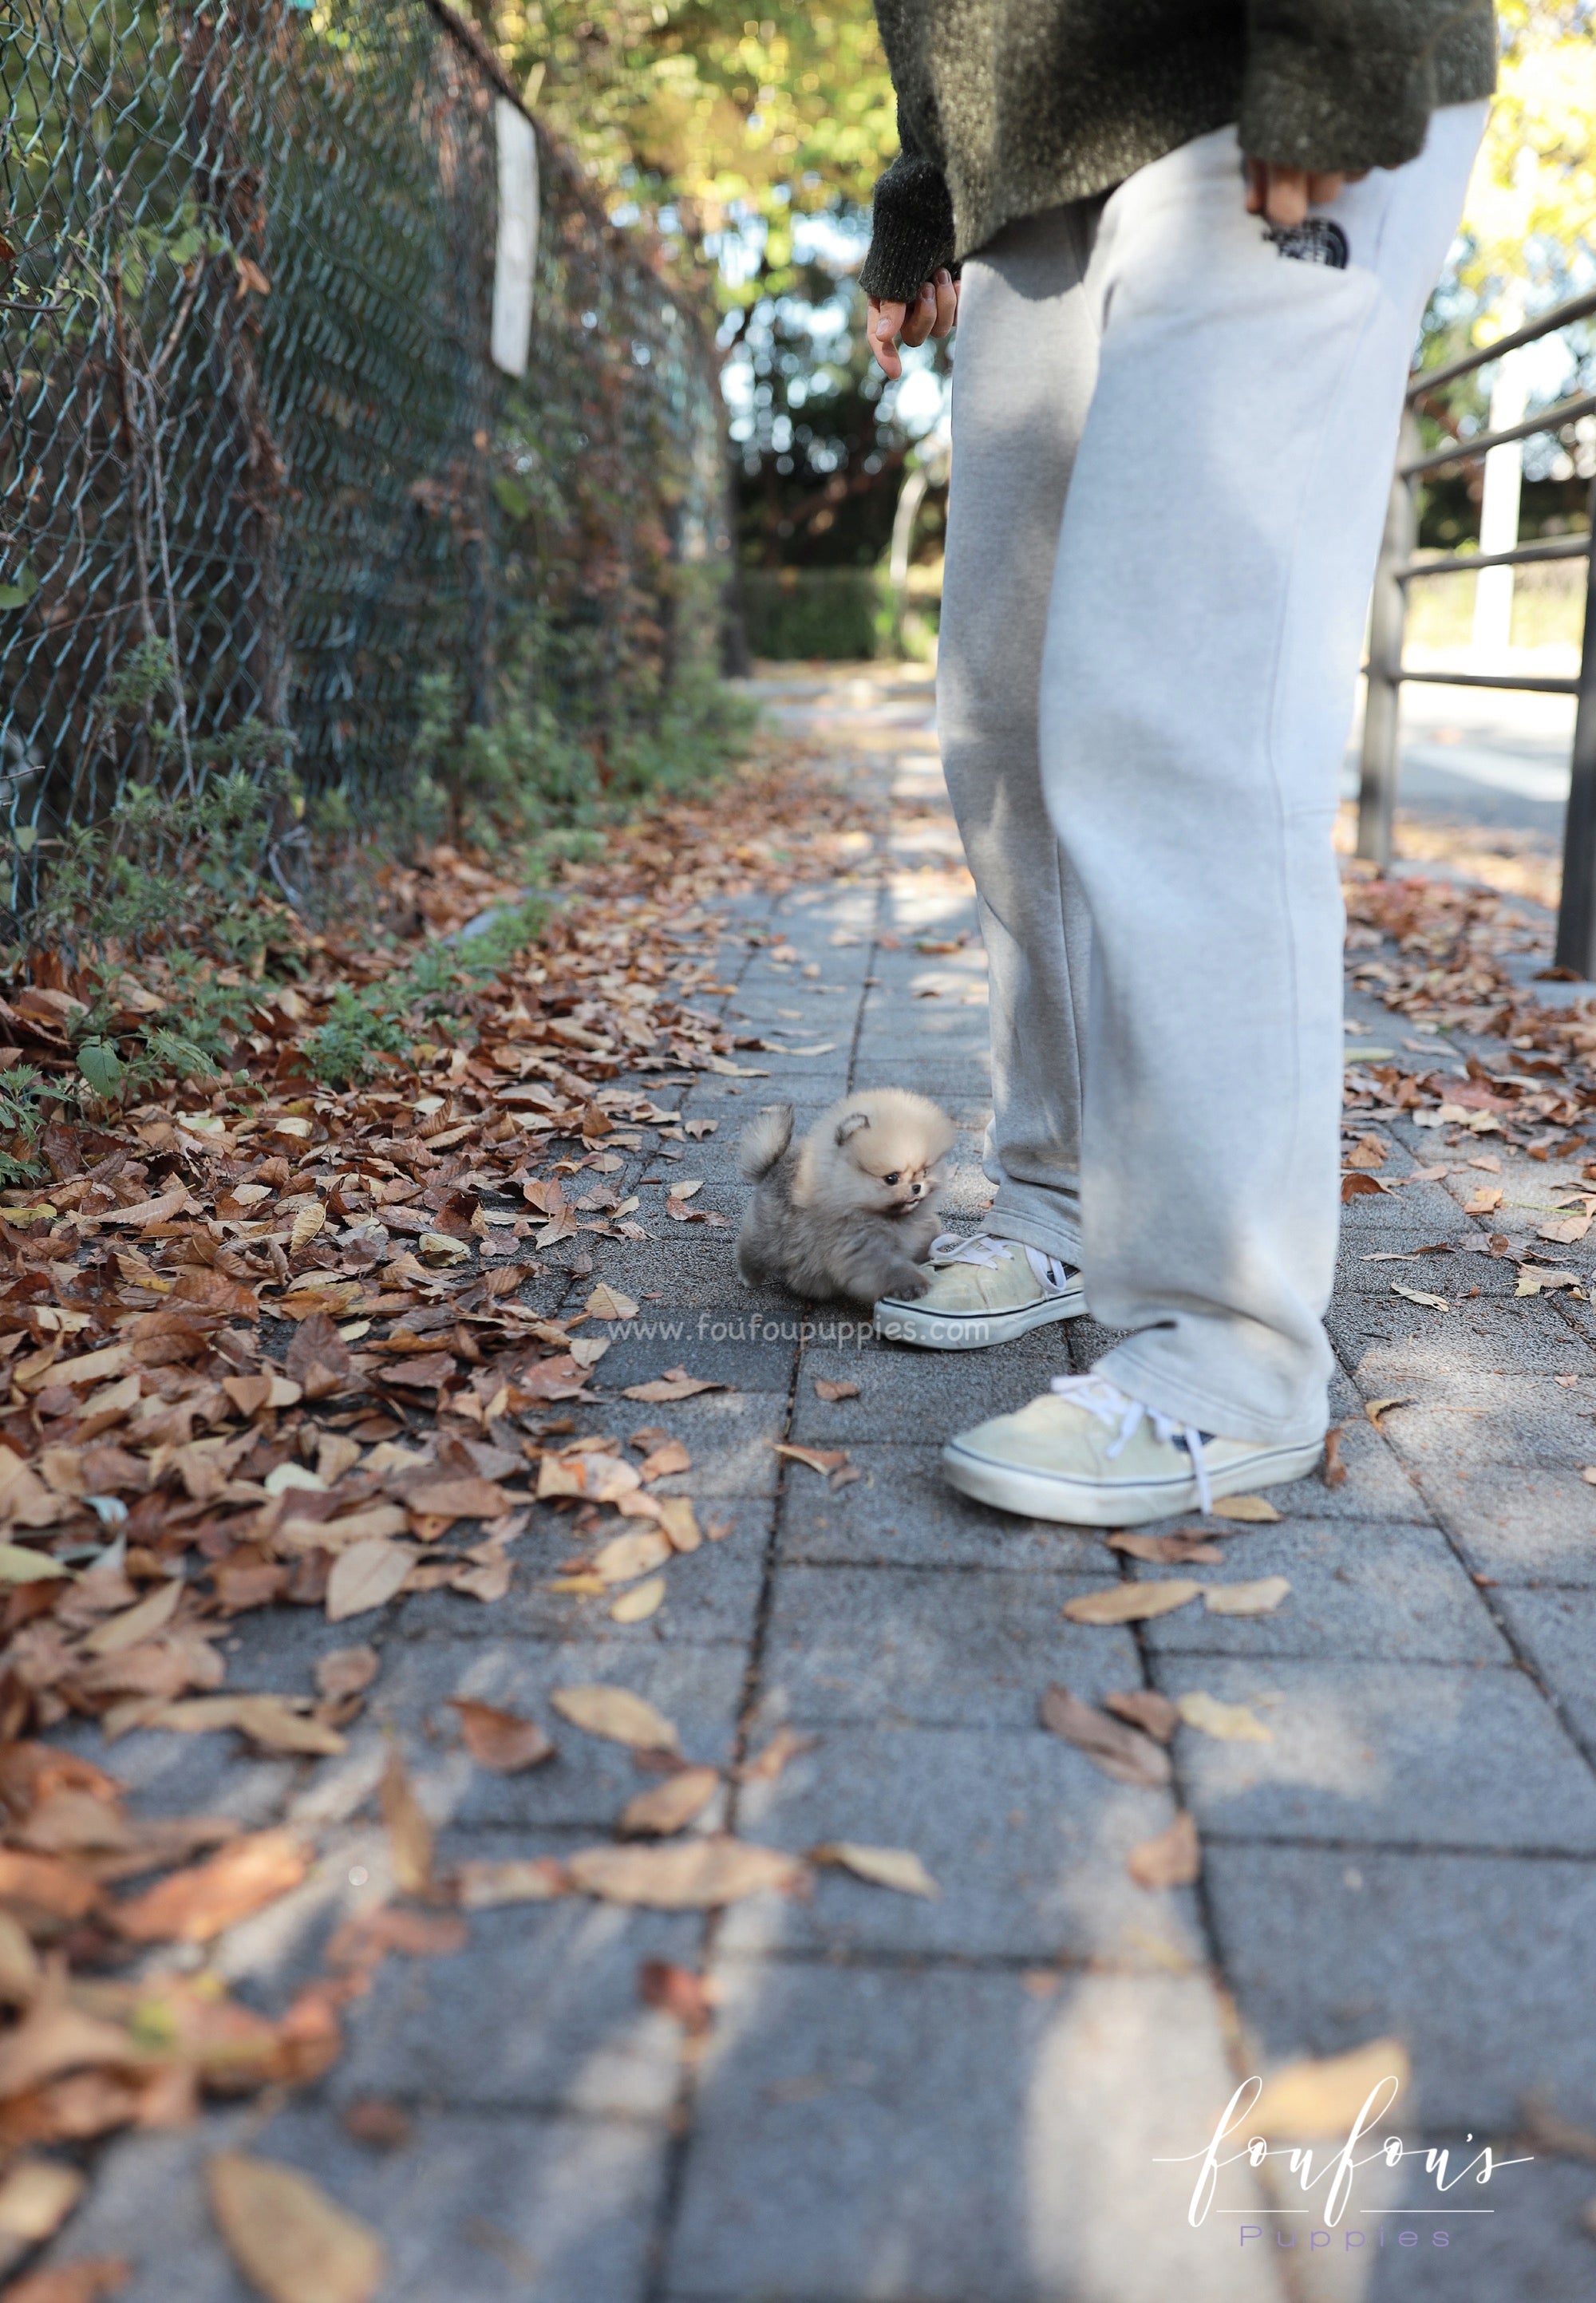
850 1209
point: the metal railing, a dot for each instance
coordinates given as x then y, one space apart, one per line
1387 673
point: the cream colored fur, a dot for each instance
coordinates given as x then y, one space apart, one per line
826 1221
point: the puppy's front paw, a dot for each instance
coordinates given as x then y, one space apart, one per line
910 1285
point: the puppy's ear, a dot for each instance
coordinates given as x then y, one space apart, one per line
850 1125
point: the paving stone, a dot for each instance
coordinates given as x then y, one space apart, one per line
711 1594
903 1514
1473 1961
1533 2246
1518 1524
1026 1839
1420 1754
1357 1588
590 1778
488 2209
947 2135
729 1434
945 1648
905 1394
1557 1630
541 2013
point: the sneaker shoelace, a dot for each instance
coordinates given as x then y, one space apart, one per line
1110 1405
987 1252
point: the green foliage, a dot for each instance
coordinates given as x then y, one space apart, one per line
22 1122
163 869
363 1027
830 613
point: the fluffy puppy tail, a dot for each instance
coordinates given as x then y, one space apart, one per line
764 1141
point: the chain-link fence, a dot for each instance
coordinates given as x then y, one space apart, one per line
251 421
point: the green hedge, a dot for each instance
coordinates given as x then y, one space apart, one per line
835 613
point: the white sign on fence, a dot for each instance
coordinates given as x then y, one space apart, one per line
515 254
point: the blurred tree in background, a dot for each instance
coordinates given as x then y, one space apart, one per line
752 145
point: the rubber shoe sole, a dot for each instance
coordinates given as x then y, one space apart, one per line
898 1322
1036 1494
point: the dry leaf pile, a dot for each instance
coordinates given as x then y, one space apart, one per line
1437 959
266 1347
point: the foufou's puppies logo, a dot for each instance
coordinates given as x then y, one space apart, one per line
1326 2174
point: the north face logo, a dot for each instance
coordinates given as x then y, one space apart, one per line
1317 241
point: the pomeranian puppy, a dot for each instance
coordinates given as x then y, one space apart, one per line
851 1209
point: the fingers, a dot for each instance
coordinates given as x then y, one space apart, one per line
922 315
932 313
1286 195
884 323
946 304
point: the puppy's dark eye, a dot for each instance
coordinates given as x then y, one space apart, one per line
892 1178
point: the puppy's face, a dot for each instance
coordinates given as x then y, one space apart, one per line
889 1158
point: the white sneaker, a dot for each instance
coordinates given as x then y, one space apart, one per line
1085 1453
984 1291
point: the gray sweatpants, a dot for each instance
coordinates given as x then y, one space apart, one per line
1172 448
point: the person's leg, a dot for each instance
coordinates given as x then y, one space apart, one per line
1223 518
1025 366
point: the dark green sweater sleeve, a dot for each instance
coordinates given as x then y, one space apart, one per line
1334 85
911 230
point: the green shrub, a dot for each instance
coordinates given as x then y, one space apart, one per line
825 613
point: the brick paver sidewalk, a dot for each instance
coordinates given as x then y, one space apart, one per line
964 2100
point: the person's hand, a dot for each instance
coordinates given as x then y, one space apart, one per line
1284 195
932 313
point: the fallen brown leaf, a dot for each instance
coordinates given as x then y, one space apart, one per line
678 1992
1230 1722
1130 1603
268 1720
368 1575
616 1714
1173 1858
898 1868
816 1459
1376 1408
784 1745
1260 1597
828 1388
642 1602
36 2197
1253 1511
678 1522
1167 1550
85 2280
1120 1750
345 1670
1335 1470
671 1805
500 1740
1144 1707
684 1875
676 1383
195 1905
288 2237
409 1833
607 1302
382 2125
1315 2099
626 1556
483 1886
